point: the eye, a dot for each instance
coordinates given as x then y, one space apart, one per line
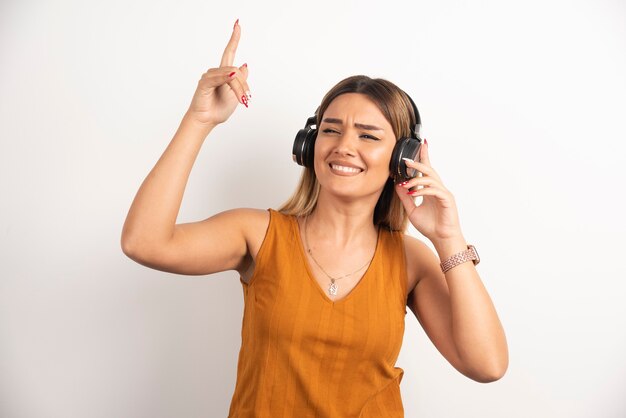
366 136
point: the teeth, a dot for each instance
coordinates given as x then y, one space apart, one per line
345 169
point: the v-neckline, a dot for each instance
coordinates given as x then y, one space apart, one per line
310 275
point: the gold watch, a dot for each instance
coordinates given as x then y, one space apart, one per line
459 258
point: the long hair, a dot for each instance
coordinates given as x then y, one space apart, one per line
396 107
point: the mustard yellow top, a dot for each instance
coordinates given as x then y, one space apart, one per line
303 355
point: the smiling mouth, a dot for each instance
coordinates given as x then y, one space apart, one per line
343 170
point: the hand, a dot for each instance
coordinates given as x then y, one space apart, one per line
219 90
436 217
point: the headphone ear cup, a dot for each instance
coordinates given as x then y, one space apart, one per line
304 146
310 148
404 148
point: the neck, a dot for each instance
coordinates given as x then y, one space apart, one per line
342 223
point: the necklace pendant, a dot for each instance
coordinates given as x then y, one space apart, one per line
332 289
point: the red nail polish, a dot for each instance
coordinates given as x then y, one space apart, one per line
245 65
236 23
244 100
231 74
425 141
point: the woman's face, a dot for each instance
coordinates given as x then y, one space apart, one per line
353 147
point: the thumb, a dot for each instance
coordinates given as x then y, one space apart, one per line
244 71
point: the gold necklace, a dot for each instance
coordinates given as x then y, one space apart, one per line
333 287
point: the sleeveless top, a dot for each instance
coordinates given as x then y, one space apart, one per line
304 355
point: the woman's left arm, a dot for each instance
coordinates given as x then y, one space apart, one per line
455 308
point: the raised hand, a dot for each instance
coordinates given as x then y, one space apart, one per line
436 217
221 89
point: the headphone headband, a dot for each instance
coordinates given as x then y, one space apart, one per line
418 120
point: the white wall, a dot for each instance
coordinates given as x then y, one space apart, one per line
522 103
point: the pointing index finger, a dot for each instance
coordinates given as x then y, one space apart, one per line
231 48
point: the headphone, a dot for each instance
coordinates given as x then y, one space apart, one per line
409 147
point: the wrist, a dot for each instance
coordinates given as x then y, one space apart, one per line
462 257
447 247
191 121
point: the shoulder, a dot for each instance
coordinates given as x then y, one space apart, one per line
250 216
252 222
244 219
421 261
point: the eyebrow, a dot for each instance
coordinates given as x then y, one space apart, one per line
357 125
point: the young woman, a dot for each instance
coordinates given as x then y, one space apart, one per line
327 277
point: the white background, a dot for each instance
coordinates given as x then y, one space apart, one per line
523 105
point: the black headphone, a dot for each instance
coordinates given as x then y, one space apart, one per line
304 146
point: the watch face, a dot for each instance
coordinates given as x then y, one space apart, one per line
477 260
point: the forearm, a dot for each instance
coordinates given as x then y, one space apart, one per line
152 216
477 331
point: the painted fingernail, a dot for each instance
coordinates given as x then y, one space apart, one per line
408 159
248 95
236 23
231 74
244 100
425 141
245 65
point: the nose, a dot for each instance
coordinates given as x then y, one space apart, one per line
346 144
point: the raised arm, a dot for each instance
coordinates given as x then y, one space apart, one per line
150 234
454 308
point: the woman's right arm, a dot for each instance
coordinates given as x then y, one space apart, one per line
150 234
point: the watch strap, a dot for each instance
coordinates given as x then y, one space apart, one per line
459 258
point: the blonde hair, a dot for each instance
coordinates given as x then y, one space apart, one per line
397 109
